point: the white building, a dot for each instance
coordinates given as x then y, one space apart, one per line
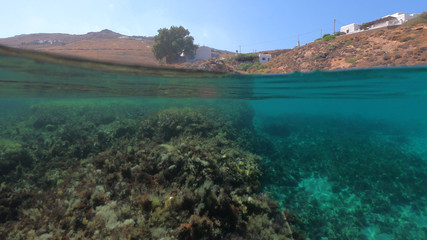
263 58
386 21
350 28
393 20
202 53
403 17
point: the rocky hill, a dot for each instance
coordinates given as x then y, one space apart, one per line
393 46
105 45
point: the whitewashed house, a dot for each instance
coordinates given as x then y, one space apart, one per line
350 28
403 17
263 58
392 20
386 21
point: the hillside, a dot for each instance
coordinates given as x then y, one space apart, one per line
394 46
105 45
109 46
115 50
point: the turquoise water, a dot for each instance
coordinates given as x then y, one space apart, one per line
95 151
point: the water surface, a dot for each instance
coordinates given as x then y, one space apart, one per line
127 149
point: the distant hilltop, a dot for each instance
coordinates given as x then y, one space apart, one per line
63 39
104 45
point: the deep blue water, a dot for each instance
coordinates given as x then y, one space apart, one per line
345 151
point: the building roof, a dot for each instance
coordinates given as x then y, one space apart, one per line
381 20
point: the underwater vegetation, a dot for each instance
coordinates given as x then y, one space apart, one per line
150 169
347 178
132 170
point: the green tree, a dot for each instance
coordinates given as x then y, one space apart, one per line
172 43
328 37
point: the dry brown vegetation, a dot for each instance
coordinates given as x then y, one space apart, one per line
116 50
398 46
104 45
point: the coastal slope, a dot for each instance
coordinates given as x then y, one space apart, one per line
385 47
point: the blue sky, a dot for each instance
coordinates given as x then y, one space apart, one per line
224 24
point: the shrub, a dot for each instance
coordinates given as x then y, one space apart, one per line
405 39
263 67
350 60
248 66
332 47
349 42
321 55
328 37
339 33
420 19
246 57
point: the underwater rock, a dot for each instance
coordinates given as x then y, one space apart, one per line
173 122
13 154
178 173
10 202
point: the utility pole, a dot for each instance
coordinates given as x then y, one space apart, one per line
240 47
334 24
321 35
298 41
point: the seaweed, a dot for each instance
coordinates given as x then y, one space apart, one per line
173 173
